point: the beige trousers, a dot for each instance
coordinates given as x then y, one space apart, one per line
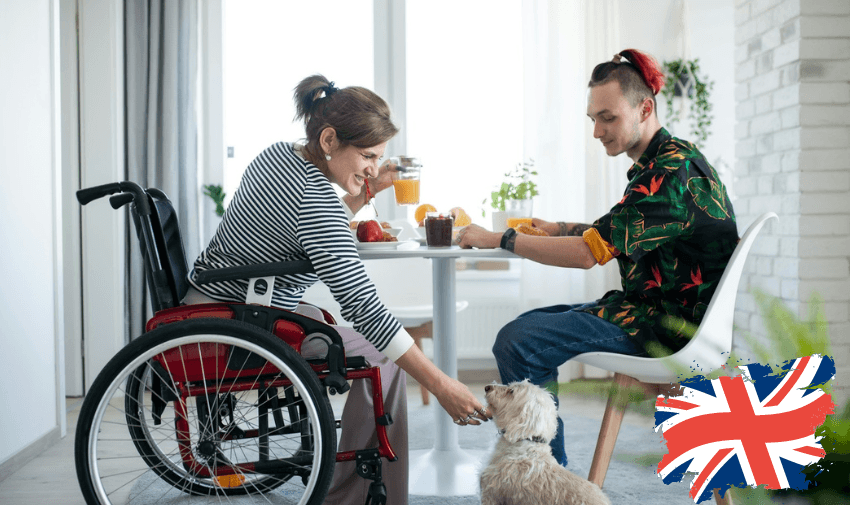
358 426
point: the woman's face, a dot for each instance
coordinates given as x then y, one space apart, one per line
349 166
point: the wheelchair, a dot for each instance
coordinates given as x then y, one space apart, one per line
215 402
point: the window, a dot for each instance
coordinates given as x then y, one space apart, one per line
464 98
464 84
269 47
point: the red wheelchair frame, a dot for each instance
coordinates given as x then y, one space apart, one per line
166 271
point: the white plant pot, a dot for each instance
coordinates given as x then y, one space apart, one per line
513 208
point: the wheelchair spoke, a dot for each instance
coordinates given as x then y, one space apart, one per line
179 411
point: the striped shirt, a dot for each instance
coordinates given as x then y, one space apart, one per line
285 209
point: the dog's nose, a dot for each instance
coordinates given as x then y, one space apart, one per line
487 388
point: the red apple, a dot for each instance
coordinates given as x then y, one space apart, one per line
369 231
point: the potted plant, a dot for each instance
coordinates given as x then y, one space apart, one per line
216 193
684 81
514 197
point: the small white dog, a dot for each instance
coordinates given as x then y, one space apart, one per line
522 469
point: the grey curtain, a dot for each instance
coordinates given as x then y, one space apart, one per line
161 61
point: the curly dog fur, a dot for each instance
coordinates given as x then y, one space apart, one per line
522 469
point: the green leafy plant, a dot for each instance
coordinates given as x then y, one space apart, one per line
216 193
516 186
684 79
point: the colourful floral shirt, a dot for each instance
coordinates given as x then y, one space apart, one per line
672 235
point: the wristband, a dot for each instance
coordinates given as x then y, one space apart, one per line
508 240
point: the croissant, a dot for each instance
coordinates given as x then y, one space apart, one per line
530 230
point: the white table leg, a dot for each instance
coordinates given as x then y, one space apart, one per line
445 470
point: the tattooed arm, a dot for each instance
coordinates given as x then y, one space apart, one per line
575 229
560 228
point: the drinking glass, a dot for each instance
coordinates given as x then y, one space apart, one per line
406 180
438 229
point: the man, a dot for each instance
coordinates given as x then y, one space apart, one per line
672 235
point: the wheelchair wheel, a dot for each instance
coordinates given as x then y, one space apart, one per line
207 407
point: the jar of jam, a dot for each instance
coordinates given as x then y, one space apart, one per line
438 229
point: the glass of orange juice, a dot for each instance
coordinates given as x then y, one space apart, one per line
406 180
513 222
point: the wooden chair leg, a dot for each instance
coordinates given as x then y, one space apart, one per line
723 500
611 421
418 333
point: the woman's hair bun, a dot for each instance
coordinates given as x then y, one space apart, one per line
308 93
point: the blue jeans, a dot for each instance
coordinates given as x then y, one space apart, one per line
533 345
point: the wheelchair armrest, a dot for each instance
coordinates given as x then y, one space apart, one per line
252 271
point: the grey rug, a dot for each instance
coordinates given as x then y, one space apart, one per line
629 480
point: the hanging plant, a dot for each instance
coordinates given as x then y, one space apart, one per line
684 79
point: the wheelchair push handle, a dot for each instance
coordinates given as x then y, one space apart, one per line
130 191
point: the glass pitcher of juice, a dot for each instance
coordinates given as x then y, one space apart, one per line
406 180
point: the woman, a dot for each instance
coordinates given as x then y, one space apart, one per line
285 209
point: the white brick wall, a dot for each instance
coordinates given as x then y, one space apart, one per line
793 157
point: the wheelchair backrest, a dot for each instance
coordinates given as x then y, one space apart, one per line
170 285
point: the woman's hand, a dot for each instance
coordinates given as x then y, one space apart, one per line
476 236
454 397
459 403
553 229
384 178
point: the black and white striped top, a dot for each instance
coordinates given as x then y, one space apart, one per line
285 209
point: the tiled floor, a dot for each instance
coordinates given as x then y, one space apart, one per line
51 477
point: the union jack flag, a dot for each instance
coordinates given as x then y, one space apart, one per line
755 429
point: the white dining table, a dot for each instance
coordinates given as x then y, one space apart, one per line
446 469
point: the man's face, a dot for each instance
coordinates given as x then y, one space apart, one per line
615 122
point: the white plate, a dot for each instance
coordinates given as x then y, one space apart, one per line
377 245
392 231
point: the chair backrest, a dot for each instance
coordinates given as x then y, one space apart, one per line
709 348
170 285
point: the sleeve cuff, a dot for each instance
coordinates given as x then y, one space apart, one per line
398 345
601 250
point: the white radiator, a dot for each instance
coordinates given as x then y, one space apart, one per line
477 327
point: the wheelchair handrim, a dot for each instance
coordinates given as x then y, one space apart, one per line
94 474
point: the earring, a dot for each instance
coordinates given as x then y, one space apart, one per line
328 157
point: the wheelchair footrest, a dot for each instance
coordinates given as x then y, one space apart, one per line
368 463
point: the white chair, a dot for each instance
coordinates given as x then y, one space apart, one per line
708 350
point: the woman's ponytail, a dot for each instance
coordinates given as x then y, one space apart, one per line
358 116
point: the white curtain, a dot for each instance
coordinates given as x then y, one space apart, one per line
554 108
161 91
606 176
563 41
578 181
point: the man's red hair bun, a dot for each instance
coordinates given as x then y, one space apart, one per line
648 68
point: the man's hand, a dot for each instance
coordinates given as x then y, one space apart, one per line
476 236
